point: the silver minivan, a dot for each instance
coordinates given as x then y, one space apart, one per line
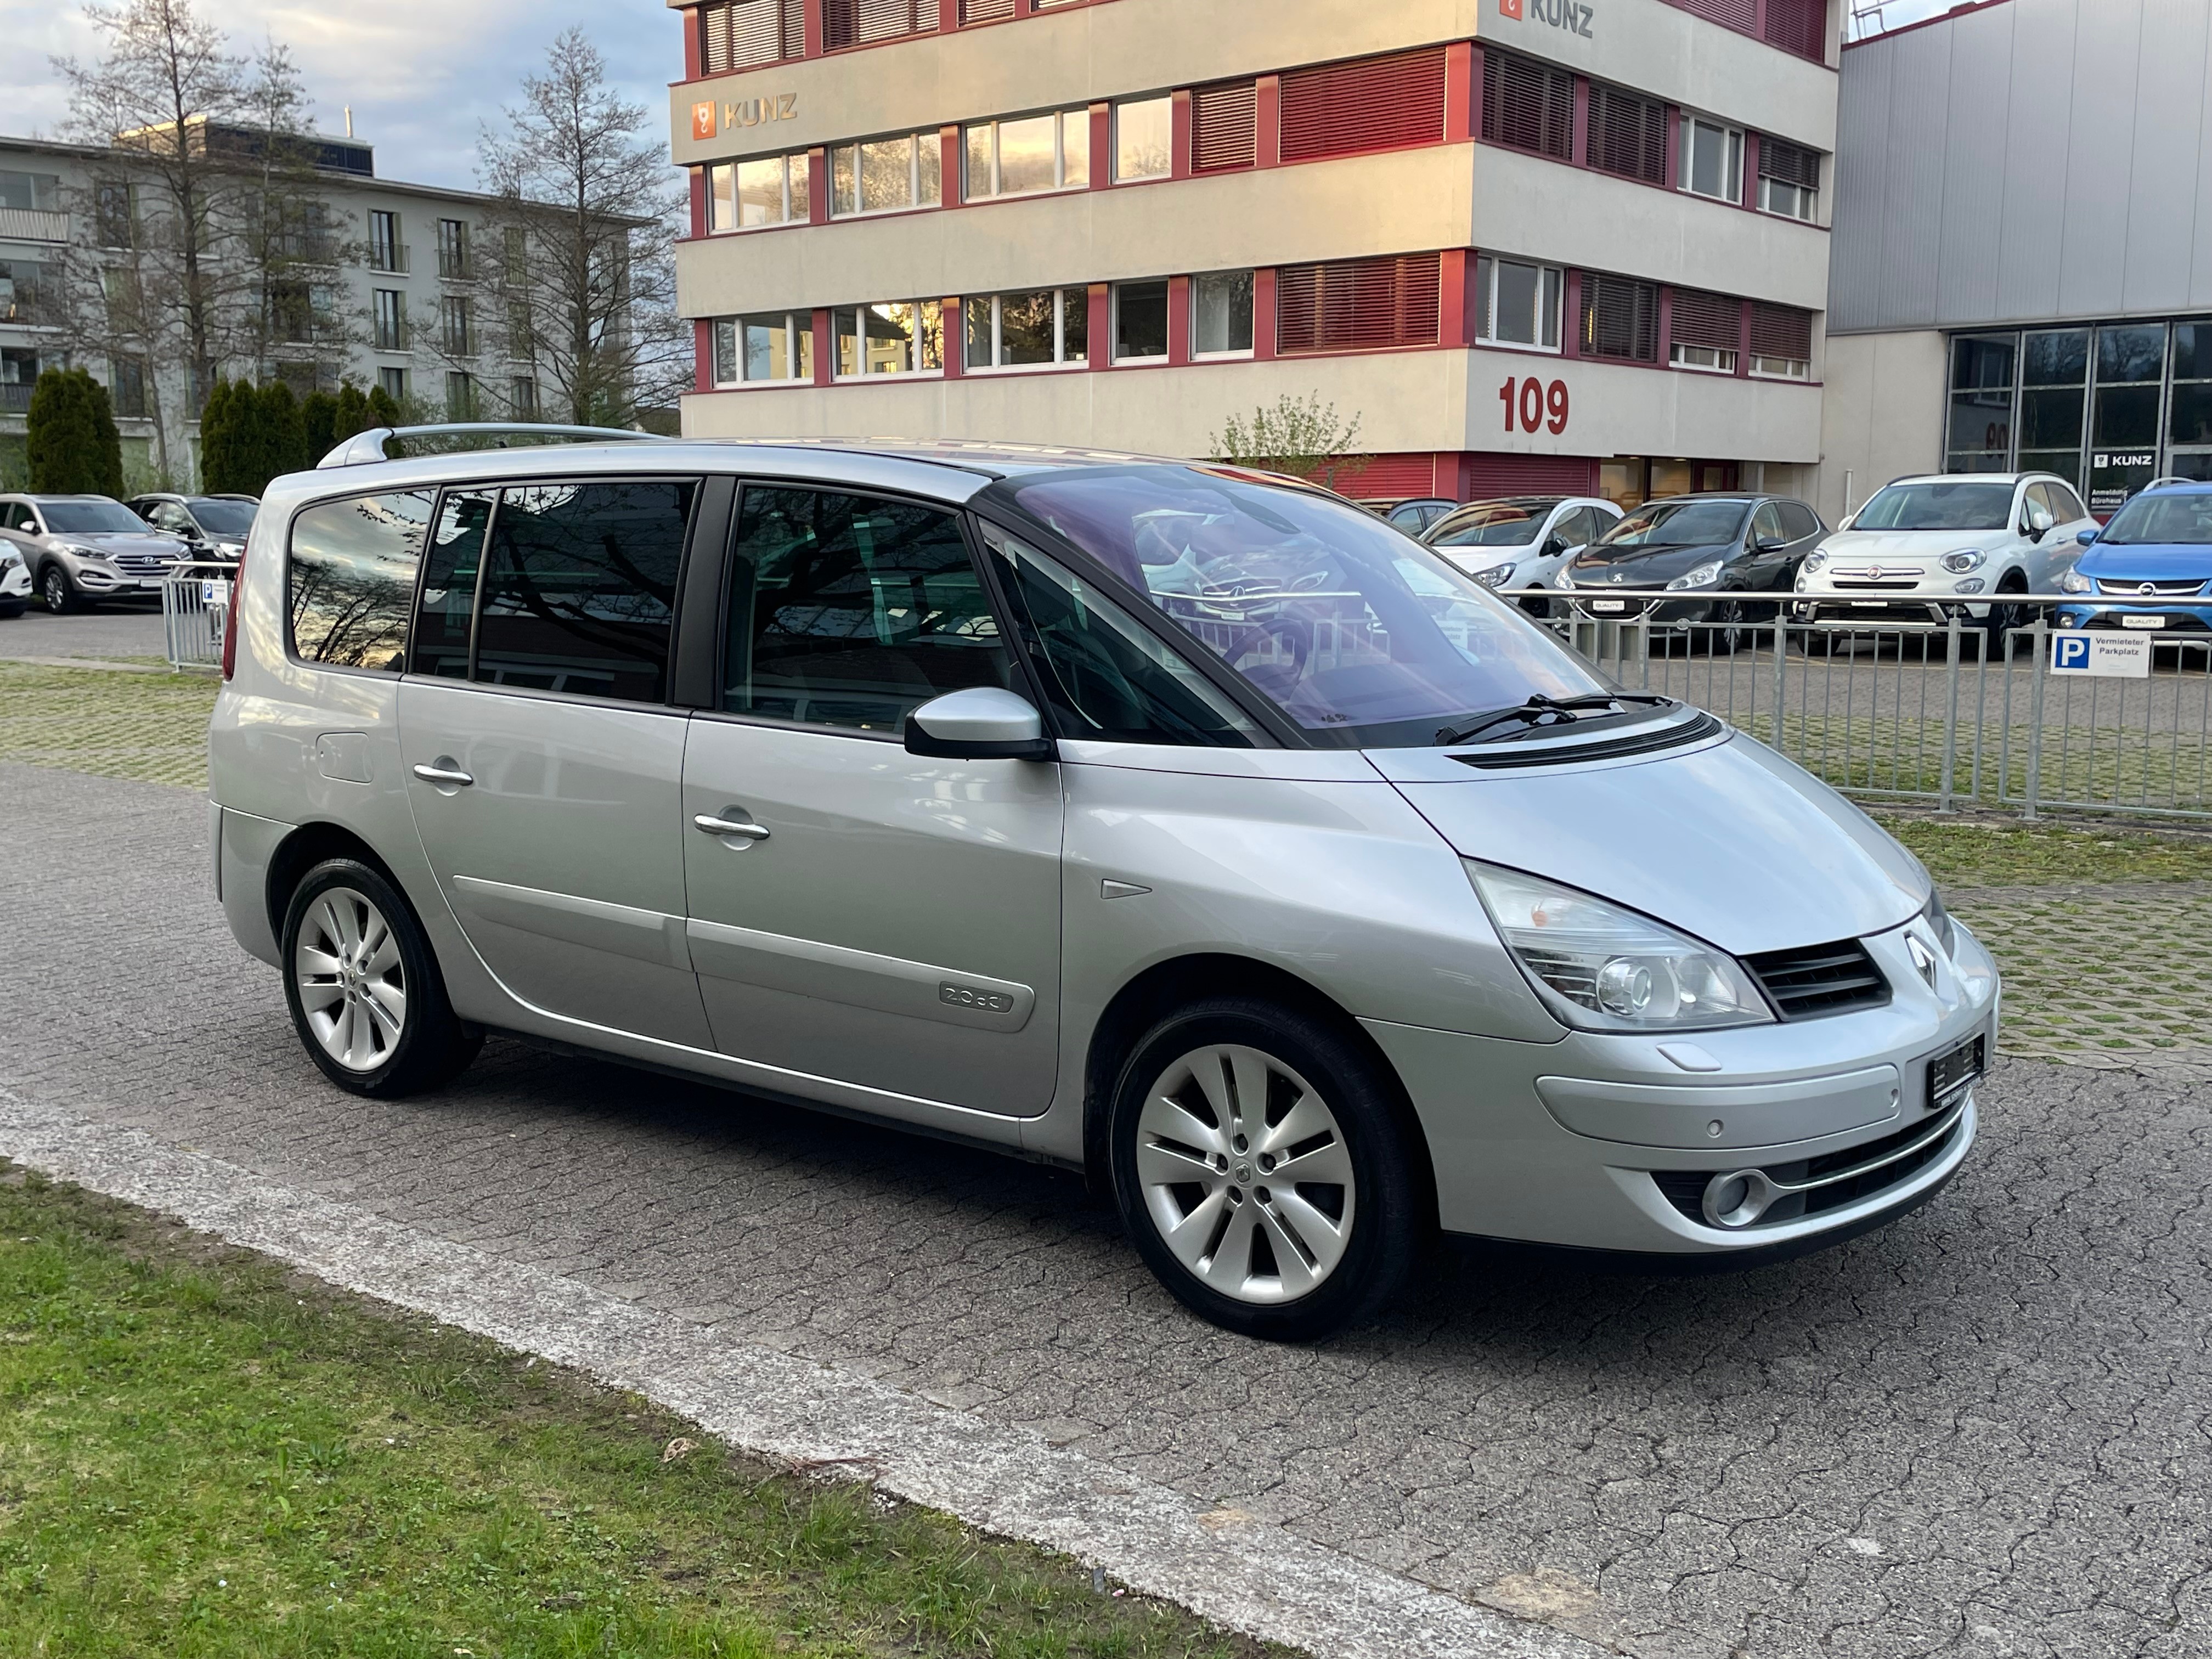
1172 822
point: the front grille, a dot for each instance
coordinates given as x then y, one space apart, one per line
143 564
1876 1161
2121 588
1637 743
1814 980
2177 622
1885 585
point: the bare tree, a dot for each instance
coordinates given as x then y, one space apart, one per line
579 247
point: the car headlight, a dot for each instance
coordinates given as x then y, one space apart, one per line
1814 561
1965 559
2075 582
1605 968
1704 576
1940 923
1492 575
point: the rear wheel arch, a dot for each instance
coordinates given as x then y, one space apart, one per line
1157 992
302 850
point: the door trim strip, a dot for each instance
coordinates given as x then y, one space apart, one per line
622 929
862 978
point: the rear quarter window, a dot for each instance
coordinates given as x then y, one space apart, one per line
349 579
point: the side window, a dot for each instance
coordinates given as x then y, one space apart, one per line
1576 529
2031 498
448 604
1105 676
350 581
167 515
2066 504
579 587
1767 522
11 516
849 611
1799 520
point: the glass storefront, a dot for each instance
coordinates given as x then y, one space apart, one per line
1629 481
2109 406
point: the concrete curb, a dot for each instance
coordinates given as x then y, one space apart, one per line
1232 1568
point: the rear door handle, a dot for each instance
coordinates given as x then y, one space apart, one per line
447 774
714 826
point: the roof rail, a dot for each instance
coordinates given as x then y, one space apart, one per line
461 436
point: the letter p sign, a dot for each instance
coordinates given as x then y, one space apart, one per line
702 119
2069 654
1509 9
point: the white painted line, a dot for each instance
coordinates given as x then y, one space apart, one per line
1237 1571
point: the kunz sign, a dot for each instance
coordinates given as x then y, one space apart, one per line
1566 15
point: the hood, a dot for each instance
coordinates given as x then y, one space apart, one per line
2151 561
157 543
1731 843
1917 549
1645 566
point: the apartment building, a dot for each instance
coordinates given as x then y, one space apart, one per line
1530 244
2023 259
384 284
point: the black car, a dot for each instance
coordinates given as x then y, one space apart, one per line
1414 516
214 525
1711 547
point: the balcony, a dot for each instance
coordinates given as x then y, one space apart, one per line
15 399
387 256
453 266
32 225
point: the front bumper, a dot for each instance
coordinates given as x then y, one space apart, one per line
2163 617
16 583
1899 605
1601 1142
1593 606
110 583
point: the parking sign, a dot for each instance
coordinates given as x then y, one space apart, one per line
2103 656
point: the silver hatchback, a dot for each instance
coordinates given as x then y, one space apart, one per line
1174 823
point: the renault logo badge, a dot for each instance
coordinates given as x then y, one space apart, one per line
1922 958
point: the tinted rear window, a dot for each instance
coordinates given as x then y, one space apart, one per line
351 579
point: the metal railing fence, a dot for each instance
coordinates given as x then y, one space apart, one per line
1953 714
195 604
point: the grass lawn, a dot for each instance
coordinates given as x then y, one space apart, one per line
2007 853
201 1453
150 727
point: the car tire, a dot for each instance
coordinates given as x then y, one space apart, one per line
1338 1248
9 611
1728 632
363 986
2002 618
59 593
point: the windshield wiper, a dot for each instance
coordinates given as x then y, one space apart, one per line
1540 710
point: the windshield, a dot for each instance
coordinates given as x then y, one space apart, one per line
220 517
1491 526
1937 506
2168 519
90 518
1360 636
1676 524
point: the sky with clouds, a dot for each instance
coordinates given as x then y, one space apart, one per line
421 74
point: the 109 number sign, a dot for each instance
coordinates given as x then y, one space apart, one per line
1534 405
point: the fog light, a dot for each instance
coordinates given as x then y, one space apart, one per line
1972 585
1737 1198
1624 987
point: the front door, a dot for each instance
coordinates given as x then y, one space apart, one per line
543 767
859 913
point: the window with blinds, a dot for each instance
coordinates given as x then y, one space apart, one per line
1788 179
1781 342
1528 105
1357 304
861 22
1705 332
1376 103
739 36
1621 318
986 11
1627 134
1799 25
1225 126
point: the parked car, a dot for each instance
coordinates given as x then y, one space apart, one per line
1714 548
15 581
1519 542
214 527
1191 829
1921 544
84 548
1415 516
2150 569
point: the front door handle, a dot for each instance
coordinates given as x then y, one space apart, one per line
714 826
443 771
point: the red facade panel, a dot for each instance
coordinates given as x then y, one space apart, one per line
1391 477
1376 103
1358 305
1486 475
1225 126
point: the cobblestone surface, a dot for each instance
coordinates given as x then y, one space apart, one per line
1982 1430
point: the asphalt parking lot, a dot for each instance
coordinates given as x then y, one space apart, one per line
1981 1432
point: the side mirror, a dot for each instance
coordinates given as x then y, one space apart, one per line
981 723
1770 544
2085 536
1555 545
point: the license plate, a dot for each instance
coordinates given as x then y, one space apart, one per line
1953 1070
1868 604
1608 605
2143 621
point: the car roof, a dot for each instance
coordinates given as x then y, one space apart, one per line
1975 477
1523 502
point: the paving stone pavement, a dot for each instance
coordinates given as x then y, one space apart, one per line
1983 1431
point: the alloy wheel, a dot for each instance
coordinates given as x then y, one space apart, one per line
1245 1173
56 586
353 986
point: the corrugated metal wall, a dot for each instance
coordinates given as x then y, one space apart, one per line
2035 160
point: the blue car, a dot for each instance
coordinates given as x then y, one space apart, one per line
2150 568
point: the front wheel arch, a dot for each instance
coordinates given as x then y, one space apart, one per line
1159 989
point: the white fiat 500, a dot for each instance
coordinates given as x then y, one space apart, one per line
1178 824
1920 546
